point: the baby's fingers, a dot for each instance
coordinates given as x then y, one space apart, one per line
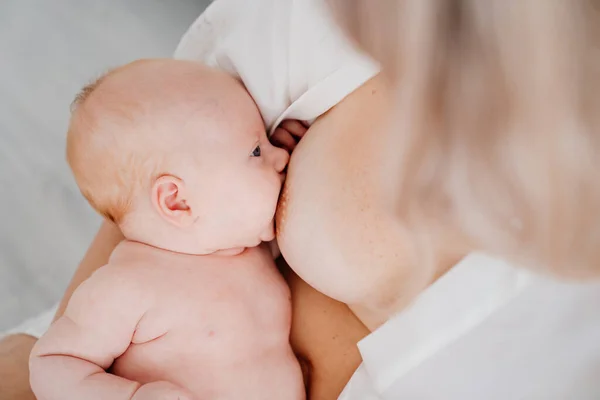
295 127
283 139
161 391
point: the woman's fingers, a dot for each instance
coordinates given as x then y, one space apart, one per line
284 139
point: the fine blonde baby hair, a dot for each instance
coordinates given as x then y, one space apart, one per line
102 151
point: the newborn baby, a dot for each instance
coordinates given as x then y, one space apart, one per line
190 306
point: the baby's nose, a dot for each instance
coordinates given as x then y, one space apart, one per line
280 159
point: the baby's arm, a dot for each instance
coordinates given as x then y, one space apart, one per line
70 360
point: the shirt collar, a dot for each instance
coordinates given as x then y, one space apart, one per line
464 297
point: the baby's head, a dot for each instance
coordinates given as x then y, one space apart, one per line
177 155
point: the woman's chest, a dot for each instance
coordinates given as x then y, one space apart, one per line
336 222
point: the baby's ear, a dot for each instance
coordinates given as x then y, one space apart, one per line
170 201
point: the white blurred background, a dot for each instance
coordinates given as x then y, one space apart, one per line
48 50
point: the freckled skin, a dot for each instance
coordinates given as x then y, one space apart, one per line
338 229
282 210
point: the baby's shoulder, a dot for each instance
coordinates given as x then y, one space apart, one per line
108 289
115 277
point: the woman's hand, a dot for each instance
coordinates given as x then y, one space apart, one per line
14 370
288 134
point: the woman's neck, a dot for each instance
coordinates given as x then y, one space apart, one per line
447 249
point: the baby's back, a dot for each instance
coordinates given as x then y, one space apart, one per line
217 326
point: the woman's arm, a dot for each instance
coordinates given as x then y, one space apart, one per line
14 370
15 349
324 336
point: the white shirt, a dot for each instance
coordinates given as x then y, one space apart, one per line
485 330
292 58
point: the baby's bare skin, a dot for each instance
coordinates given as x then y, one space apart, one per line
215 325
191 305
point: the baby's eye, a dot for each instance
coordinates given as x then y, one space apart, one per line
255 152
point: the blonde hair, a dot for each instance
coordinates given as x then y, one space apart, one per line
497 119
103 155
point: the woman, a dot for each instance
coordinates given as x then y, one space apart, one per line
496 112
339 230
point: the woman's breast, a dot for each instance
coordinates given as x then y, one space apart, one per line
336 225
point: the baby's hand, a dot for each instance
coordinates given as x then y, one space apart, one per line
161 391
288 134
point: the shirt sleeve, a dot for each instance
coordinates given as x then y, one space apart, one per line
359 387
291 56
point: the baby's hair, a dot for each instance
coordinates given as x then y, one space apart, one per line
86 91
105 169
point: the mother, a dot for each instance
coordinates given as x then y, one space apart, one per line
339 230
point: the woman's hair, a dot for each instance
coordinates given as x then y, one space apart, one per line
497 118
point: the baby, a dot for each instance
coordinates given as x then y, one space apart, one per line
191 305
